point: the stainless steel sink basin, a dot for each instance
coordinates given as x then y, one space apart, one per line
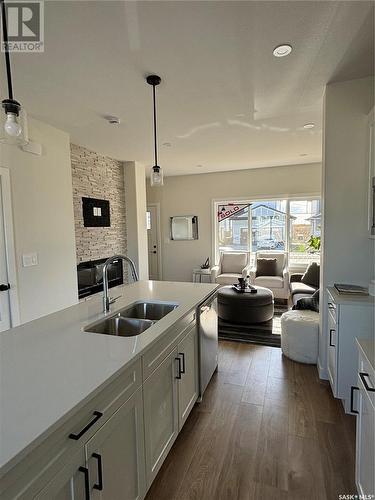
132 320
122 327
148 310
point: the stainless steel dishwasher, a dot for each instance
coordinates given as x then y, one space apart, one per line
208 341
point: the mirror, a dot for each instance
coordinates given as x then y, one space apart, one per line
184 227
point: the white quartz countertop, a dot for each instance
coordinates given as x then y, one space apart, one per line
367 347
50 367
351 299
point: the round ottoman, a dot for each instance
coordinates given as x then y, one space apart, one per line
245 307
299 335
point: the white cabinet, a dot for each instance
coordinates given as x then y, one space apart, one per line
348 317
188 383
365 441
71 483
115 455
160 413
170 393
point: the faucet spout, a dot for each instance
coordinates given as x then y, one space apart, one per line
106 299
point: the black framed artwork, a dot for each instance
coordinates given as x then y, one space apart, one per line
96 213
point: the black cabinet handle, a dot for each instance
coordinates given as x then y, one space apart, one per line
352 389
330 337
363 378
87 482
99 484
179 367
4 287
182 354
97 414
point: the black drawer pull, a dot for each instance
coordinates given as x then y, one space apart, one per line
363 378
4 288
87 482
97 414
330 337
99 484
178 376
182 354
352 389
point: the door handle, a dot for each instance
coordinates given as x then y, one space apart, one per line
363 378
99 484
178 376
352 389
330 337
4 287
182 354
87 481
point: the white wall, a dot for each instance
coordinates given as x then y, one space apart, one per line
348 253
43 221
193 195
135 201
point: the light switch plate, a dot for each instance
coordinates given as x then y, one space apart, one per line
30 259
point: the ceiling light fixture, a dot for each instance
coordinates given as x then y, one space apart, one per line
113 120
282 50
309 125
14 127
156 171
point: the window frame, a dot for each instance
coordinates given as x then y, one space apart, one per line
215 253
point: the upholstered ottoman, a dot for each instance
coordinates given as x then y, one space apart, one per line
245 307
300 335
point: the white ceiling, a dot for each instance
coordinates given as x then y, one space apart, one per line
225 102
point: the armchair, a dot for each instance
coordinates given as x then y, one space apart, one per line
279 284
231 267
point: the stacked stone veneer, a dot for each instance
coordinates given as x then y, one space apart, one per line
96 176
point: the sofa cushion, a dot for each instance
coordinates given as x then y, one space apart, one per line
312 275
269 281
266 267
301 288
233 262
228 278
308 303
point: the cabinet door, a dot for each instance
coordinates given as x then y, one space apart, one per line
71 483
115 454
188 384
160 414
332 352
365 462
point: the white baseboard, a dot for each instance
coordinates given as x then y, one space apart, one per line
323 373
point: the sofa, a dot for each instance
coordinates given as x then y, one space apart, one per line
278 284
231 266
299 290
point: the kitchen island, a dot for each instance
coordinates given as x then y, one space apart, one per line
56 380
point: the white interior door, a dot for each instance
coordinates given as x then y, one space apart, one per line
153 242
4 278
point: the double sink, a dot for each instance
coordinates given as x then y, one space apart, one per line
132 320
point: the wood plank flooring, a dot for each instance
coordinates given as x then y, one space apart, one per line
267 428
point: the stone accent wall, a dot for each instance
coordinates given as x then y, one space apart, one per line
96 176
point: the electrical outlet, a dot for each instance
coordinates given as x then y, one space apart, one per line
30 259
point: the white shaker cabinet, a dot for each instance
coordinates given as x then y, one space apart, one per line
365 438
160 413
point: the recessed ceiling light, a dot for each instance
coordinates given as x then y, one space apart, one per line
113 120
199 166
309 125
167 144
282 50
303 154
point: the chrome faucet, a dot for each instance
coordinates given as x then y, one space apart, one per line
107 301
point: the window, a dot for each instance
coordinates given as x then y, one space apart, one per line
285 225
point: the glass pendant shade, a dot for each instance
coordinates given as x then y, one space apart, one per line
13 123
156 176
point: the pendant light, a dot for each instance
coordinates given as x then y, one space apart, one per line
13 123
156 171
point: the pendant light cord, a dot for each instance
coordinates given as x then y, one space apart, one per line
155 136
6 50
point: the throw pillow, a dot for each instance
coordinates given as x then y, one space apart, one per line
308 303
266 267
312 275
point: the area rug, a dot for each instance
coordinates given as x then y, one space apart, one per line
267 333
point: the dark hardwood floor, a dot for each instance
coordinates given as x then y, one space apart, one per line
267 428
